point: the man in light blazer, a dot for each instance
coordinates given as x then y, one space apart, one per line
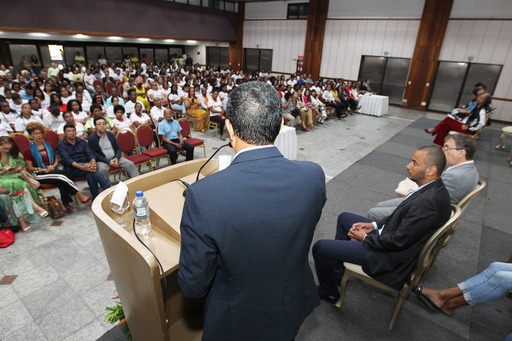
460 178
388 249
246 231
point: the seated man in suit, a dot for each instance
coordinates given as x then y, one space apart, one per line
249 254
460 178
388 249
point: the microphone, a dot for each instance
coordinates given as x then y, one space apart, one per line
204 164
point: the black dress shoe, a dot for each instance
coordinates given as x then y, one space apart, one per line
428 132
328 298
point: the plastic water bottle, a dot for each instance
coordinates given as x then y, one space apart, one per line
141 213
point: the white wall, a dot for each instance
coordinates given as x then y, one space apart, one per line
201 48
347 40
488 9
285 37
268 10
381 9
489 42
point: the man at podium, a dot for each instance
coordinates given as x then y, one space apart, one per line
246 231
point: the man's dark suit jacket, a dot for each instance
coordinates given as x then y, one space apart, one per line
94 144
246 233
394 252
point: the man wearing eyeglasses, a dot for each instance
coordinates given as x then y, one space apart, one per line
460 178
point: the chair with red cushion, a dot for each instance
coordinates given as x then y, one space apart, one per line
145 137
126 141
52 138
187 136
108 87
22 141
97 82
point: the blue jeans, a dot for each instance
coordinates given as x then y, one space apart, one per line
489 284
329 255
93 179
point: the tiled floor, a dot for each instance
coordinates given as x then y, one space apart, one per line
55 281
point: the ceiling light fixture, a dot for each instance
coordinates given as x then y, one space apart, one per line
81 36
115 38
144 39
39 34
170 40
192 41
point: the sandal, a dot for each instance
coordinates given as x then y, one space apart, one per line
43 214
26 228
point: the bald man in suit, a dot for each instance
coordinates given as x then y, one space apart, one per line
460 178
388 249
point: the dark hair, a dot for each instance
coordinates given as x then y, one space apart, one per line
53 96
480 85
475 91
68 125
67 112
467 142
95 106
55 110
130 91
287 95
119 107
15 96
15 151
70 105
29 87
435 157
99 118
254 111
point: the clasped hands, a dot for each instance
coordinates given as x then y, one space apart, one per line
359 230
90 166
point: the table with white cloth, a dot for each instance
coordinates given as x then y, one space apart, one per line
286 142
375 105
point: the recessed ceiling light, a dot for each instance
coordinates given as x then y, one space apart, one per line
143 39
80 35
192 41
39 34
115 38
170 40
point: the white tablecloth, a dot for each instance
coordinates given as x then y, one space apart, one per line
374 105
286 142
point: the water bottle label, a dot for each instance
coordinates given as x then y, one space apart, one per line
141 211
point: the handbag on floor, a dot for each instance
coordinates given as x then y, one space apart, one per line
55 208
6 238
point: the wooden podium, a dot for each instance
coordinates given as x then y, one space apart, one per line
135 270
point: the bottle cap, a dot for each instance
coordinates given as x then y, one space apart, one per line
139 194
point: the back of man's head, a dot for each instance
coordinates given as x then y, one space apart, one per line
466 142
435 157
254 110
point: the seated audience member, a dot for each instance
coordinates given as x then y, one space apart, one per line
465 109
53 119
306 112
328 98
217 112
21 196
138 117
8 115
110 110
69 118
322 115
467 125
460 178
290 111
387 250
5 128
129 106
20 125
65 96
107 152
488 285
96 112
120 122
157 112
79 161
196 111
17 102
42 160
140 90
114 94
56 101
169 131
76 109
97 99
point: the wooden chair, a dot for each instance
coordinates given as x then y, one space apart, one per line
146 139
330 111
97 82
216 126
418 275
505 131
185 131
126 141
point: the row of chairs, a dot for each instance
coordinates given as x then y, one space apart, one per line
426 258
130 144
